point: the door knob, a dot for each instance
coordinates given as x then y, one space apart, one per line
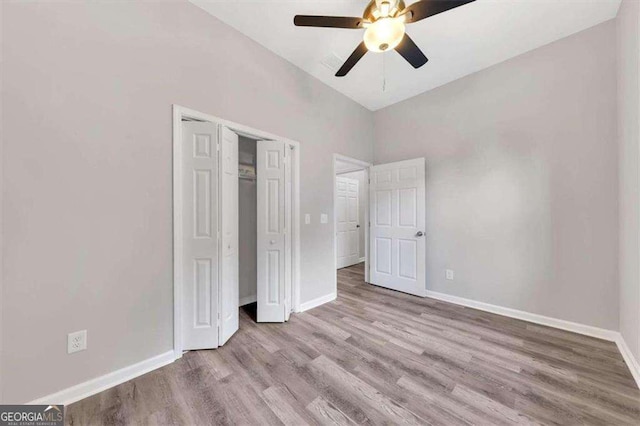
272 241
419 234
357 226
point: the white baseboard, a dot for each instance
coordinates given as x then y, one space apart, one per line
587 330
575 327
631 361
362 259
317 302
248 299
109 380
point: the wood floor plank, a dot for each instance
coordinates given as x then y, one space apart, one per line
327 414
490 406
282 404
376 356
366 393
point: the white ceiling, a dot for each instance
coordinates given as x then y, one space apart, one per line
458 42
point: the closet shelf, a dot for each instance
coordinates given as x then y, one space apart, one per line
252 178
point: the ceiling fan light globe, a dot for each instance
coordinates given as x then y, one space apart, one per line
384 34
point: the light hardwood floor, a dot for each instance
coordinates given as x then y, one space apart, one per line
376 356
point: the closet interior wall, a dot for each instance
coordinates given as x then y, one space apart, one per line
247 223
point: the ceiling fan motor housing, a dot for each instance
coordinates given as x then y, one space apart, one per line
373 6
384 30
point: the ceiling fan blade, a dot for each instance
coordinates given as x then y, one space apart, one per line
353 60
411 52
327 21
425 8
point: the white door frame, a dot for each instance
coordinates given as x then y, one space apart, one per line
180 112
357 166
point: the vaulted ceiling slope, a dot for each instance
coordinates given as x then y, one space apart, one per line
458 42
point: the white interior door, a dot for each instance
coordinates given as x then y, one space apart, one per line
273 224
347 221
229 274
397 216
200 235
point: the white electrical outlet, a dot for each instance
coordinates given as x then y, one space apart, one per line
449 274
324 218
307 219
77 341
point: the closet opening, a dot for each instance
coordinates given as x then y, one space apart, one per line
248 230
236 229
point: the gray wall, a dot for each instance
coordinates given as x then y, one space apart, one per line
87 145
248 232
522 179
629 146
361 177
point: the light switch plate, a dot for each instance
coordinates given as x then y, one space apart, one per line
449 274
324 218
307 219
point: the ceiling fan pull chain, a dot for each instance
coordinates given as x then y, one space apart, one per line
384 73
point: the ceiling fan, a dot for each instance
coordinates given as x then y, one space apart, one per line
384 23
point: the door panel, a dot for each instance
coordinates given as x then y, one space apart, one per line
347 222
397 212
407 256
382 260
407 214
274 241
202 200
382 199
273 276
229 231
200 242
202 284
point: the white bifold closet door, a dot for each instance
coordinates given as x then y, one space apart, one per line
397 216
210 235
229 274
273 161
200 235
